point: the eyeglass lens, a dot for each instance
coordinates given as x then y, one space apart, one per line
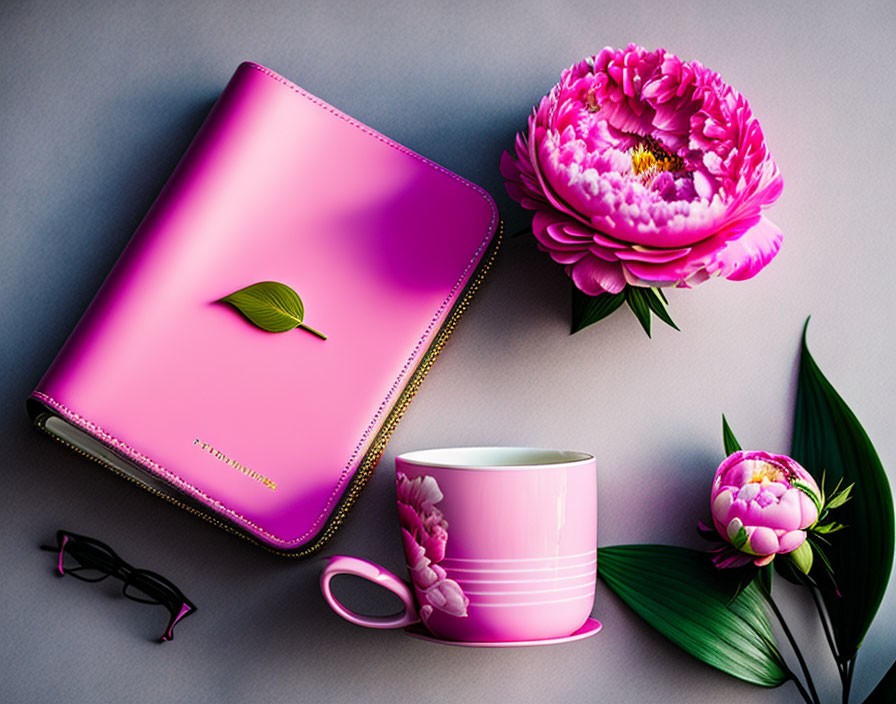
92 561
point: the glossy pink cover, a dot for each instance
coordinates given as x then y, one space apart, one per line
277 186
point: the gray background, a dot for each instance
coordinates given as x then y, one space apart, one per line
98 103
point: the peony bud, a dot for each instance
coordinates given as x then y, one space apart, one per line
762 504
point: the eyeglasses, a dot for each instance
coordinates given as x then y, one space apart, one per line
93 561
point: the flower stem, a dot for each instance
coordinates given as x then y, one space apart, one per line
802 690
844 668
848 667
796 649
313 331
825 625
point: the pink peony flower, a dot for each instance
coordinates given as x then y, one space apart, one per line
762 504
646 170
425 535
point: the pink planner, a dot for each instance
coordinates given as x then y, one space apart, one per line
271 435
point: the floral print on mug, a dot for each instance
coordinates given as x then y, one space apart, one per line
424 532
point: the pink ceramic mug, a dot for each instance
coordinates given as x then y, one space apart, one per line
500 543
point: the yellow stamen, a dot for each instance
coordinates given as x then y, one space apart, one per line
765 474
642 160
591 101
650 158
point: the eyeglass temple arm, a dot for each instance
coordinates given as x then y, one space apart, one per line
185 611
60 549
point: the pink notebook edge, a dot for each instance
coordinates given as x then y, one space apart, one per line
375 437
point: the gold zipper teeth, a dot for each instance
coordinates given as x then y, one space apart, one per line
372 457
150 489
365 470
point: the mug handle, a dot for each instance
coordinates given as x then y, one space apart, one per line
343 564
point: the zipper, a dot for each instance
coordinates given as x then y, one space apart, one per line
374 452
378 446
40 422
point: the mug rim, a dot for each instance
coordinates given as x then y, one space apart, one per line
494 457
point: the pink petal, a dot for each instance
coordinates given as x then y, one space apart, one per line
508 167
652 256
782 515
594 276
574 162
731 559
746 256
413 551
762 541
791 540
447 595
721 510
434 545
426 613
410 520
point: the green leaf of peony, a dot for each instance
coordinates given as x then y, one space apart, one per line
786 569
637 301
764 578
587 310
679 593
802 557
740 538
808 491
826 434
885 692
659 305
644 301
839 498
271 306
818 547
731 443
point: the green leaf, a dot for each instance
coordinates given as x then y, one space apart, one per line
587 310
739 539
764 578
802 557
885 692
271 306
819 551
644 301
659 305
748 574
827 435
828 528
731 443
637 301
839 498
808 491
787 570
680 594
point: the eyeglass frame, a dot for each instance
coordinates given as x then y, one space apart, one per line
178 605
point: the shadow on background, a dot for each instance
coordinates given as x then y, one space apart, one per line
74 242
